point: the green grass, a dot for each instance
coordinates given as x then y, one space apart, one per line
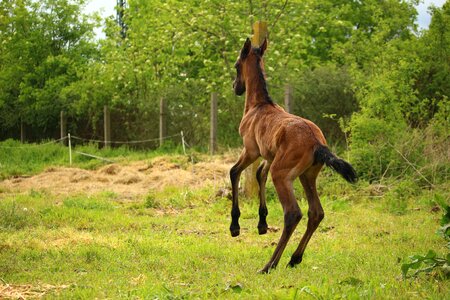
175 244
18 159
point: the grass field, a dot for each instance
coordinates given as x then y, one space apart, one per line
173 242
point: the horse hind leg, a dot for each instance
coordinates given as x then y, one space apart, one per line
315 212
292 215
261 177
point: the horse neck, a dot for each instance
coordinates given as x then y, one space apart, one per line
256 89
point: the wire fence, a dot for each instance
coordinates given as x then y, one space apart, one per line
69 139
126 142
35 145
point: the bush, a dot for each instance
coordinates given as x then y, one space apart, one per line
372 146
381 148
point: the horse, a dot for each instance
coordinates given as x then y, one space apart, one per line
292 147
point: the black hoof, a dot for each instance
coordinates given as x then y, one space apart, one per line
262 229
266 269
235 231
294 261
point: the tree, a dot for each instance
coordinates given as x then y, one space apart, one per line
46 44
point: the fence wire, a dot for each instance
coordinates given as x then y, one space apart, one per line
125 142
35 145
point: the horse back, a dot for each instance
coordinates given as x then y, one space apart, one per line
270 128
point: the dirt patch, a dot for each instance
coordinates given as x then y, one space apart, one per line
126 180
28 291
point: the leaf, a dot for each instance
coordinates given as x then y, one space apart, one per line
431 254
405 269
445 231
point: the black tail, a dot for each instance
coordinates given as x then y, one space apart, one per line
323 155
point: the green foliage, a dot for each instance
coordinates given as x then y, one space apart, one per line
431 261
399 130
44 47
398 198
340 57
164 54
325 90
372 141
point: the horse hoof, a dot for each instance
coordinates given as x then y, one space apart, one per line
267 268
235 229
235 232
294 261
262 230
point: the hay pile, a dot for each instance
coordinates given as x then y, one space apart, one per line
126 180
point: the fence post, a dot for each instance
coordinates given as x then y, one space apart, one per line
288 91
251 186
107 125
63 123
70 149
162 121
213 129
22 132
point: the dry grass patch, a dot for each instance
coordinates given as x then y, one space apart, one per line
28 291
131 180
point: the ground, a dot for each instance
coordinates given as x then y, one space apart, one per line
128 181
158 228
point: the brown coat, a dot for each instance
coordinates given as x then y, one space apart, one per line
293 147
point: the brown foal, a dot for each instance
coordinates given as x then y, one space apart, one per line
292 147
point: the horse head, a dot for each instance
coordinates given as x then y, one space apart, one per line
249 56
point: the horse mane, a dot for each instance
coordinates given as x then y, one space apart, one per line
262 78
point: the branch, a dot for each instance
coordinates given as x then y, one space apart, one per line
250 6
279 15
409 163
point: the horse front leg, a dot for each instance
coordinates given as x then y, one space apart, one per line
243 162
261 177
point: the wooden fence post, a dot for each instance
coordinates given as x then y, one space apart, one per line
251 186
63 124
107 125
213 129
22 132
288 91
162 121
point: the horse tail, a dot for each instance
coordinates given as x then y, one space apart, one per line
323 155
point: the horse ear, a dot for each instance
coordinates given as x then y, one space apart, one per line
263 47
246 48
